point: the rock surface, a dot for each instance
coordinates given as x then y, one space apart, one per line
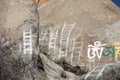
56 72
18 15
106 72
97 21
80 11
15 17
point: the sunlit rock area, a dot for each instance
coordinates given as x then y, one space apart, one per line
59 40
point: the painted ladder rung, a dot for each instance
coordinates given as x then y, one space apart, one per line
27 44
67 29
62 54
82 65
67 33
77 47
63 47
52 35
52 39
40 39
75 57
63 40
27 36
27 39
78 42
69 25
63 44
27 33
51 43
77 52
64 35
51 46
27 49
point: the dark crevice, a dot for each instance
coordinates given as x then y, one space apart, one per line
68 67
38 62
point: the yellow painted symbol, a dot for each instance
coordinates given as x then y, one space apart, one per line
117 50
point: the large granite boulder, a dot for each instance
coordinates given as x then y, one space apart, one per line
97 20
15 17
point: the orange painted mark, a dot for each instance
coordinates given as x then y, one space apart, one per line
39 2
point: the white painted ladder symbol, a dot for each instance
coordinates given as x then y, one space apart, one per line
52 40
64 40
27 41
77 47
76 50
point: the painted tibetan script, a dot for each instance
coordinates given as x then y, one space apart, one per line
95 50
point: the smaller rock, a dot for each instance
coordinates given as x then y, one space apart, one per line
106 72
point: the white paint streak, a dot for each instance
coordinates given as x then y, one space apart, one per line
91 63
89 74
73 47
101 72
79 59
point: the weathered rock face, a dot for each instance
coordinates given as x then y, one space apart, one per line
15 17
95 19
19 15
80 11
107 72
12 68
